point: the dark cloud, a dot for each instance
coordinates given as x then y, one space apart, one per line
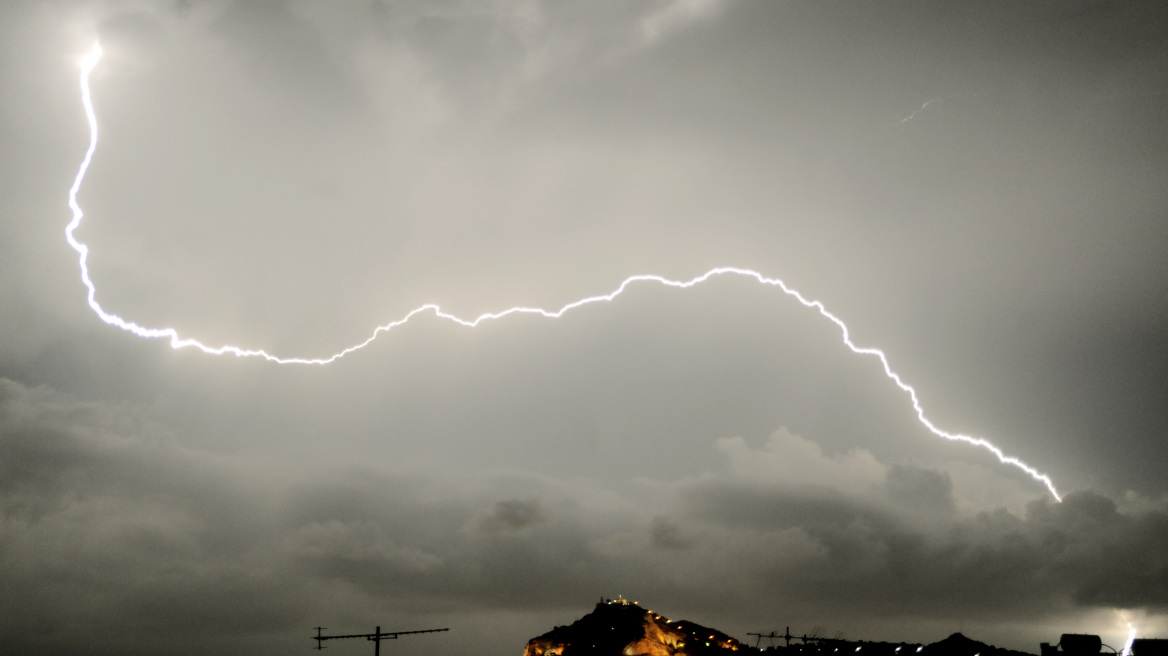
514 514
107 520
667 534
1083 551
918 488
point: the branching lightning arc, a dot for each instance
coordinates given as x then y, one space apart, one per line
89 62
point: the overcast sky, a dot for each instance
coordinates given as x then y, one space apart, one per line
978 190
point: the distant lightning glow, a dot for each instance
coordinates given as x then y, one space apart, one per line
178 342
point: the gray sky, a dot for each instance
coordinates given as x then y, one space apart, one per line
978 190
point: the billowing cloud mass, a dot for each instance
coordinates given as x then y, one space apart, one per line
107 521
978 189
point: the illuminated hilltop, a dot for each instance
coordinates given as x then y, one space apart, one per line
619 627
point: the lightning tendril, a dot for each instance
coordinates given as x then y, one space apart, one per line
89 62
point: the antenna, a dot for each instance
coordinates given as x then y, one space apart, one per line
376 637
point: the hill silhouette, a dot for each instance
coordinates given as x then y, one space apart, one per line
623 628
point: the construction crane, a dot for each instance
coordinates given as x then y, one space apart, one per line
772 635
376 637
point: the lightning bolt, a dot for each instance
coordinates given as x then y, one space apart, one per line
918 110
89 62
901 120
1131 638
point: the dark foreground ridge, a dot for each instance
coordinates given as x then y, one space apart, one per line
623 628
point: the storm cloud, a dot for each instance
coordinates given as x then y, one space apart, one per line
108 521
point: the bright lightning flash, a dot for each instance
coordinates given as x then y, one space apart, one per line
1131 638
178 342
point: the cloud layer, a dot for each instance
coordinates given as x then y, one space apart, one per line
107 522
